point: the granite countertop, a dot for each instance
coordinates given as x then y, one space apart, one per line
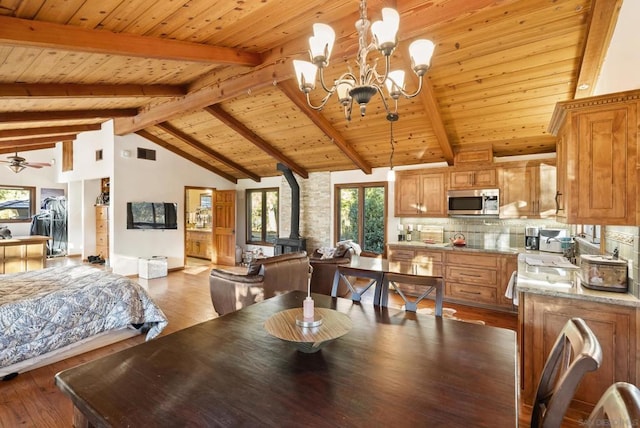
195 229
448 247
552 277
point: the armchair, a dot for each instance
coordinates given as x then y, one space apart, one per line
264 278
324 270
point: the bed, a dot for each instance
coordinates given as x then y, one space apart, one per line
50 314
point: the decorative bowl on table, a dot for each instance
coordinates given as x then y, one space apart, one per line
284 326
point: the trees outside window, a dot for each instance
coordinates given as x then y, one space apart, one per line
17 204
361 215
262 216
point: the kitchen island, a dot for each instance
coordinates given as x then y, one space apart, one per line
549 294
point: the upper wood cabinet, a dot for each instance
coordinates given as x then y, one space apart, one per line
597 159
420 194
528 190
468 179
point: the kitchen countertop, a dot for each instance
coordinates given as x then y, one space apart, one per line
448 247
559 280
195 229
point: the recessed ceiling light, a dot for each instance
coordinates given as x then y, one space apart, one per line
583 86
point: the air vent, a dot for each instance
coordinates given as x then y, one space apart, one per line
147 154
99 155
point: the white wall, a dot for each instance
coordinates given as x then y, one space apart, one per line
162 180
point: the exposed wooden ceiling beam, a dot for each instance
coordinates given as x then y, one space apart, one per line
159 141
604 15
201 98
290 89
34 116
9 134
430 103
188 139
51 90
277 65
249 135
23 149
38 140
25 32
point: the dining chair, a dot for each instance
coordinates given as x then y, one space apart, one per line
427 284
575 352
619 406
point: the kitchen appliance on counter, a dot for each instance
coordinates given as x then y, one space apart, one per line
603 273
476 202
553 240
532 238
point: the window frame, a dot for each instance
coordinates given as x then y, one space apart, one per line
361 192
263 238
32 203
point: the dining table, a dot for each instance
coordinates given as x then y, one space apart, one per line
390 368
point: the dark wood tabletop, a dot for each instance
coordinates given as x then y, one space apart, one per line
393 368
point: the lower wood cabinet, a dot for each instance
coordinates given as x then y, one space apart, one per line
541 317
471 277
199 244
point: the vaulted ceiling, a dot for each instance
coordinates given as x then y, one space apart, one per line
213 81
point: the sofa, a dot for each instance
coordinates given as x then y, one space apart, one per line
325 264
263 279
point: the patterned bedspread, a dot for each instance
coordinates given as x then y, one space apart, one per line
43 310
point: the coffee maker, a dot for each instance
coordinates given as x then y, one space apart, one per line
532 238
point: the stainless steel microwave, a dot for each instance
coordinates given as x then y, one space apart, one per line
473 202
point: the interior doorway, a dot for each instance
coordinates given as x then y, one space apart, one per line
199 226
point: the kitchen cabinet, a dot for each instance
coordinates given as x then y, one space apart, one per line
528 190
420 194
471 277
541 317
479 279
597 159
470 179
102 231
199 244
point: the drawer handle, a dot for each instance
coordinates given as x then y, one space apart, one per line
471 292
471 275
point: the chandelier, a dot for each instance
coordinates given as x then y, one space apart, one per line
363 86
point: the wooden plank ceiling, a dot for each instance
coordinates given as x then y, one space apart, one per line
213 80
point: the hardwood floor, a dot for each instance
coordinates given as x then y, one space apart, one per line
32 399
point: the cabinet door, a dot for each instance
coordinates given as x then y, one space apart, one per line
407 197
460 179
546 190
518 198
433 195
484 178
606 174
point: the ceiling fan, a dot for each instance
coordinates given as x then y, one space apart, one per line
18 163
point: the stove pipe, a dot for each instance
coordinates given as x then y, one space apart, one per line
295 200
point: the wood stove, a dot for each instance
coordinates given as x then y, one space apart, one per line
294 242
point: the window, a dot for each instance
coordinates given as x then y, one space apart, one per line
17 204
361 215
262 216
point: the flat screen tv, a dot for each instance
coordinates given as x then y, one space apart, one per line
152 215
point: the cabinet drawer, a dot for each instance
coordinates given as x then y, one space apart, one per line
401 254
472 259
102 213
472 275
102 239
425 256
102 226
474 293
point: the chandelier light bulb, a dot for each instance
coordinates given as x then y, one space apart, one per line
321 44
385 32
395 83
421 52
343 87
306 75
